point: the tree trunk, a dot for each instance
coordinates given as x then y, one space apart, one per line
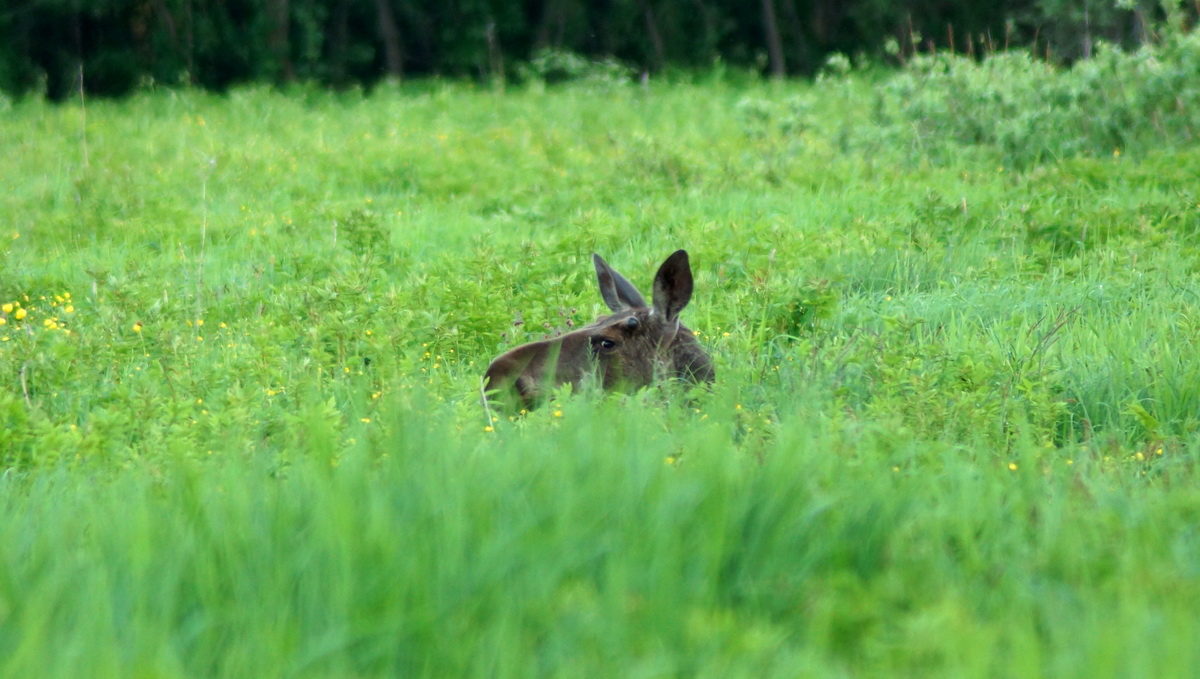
422 44
774 43
279 39
710 37
168 21
393 53
656 41
338 44
550 27
190 40
1087 34
802 57
495 56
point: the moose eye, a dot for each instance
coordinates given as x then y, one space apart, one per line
604 344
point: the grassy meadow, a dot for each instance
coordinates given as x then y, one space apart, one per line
954 432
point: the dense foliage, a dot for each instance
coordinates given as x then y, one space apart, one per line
955 430
117 45
944 105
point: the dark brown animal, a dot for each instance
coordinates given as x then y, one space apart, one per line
627 349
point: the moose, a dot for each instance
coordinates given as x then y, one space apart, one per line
625 350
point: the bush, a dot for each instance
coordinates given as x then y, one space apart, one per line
552 67
1032 111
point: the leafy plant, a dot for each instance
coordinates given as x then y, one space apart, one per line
554 67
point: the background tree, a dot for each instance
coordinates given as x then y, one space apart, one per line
44 44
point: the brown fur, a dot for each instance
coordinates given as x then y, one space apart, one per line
627 349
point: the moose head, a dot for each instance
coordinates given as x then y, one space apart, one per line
627 349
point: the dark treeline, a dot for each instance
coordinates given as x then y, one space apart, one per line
117 44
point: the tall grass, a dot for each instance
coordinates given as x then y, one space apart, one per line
576 550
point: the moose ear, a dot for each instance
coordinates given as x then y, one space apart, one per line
673 285
618 293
